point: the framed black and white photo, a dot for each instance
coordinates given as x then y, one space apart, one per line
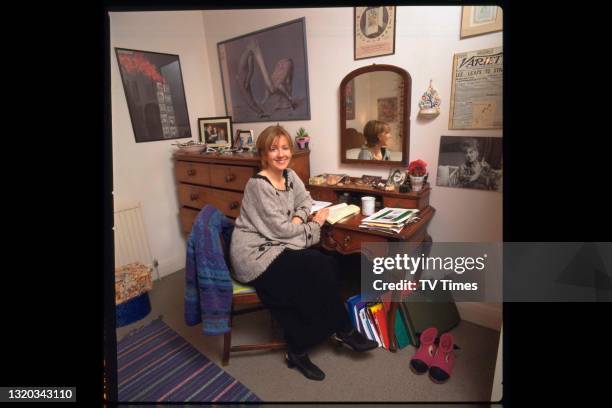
265 74
470 162
153 86
374 31
215 131
396 177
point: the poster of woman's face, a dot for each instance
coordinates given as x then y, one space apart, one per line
470 162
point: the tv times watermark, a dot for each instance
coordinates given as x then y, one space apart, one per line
459 269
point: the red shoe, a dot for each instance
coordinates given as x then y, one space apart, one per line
441 367
422 359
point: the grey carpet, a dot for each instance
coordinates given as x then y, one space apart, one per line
376 376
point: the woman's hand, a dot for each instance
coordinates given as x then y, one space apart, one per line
297 220
321 216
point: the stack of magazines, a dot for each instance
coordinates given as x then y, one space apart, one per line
390 220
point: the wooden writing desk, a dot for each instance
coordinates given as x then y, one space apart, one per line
346 237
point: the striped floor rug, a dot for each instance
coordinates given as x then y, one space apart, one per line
156 364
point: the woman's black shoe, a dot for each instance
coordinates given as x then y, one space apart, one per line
355 340
303 363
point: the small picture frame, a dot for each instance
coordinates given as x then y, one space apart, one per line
216 131
478 20
397 176
374 31
244 139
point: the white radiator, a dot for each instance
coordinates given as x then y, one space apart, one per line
131 243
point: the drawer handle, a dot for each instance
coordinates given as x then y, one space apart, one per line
194 196
191 172
233 205
230 177
347 239
330 238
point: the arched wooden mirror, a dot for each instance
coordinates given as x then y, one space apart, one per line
369 96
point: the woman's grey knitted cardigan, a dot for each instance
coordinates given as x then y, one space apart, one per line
264 228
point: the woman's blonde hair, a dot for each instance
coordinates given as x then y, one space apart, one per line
265 139
372 129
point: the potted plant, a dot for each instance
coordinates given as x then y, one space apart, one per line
417 170
302 138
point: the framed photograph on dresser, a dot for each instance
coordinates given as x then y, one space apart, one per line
244 139
216 131
396 177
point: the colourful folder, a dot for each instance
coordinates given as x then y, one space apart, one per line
351 304
401 332
380 319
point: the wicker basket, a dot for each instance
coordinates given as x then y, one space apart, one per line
132 280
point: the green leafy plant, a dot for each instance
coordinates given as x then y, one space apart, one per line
301 133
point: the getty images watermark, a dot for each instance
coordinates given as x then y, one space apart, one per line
488 272
412 264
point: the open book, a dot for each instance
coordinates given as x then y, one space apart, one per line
317 205
340 211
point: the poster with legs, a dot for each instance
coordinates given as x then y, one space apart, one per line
265 74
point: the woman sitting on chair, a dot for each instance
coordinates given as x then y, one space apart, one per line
269 251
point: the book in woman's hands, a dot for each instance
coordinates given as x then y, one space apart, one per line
340 211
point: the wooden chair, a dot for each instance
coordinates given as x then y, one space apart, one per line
254 304
353 139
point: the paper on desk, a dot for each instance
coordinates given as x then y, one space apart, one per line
317 205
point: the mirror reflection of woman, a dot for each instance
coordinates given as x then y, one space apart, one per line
377 134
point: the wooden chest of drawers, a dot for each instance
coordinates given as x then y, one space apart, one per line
219 180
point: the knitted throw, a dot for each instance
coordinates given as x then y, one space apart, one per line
208 285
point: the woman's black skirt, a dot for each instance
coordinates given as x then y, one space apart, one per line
301 289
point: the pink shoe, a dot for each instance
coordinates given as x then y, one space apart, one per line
422 359
441 367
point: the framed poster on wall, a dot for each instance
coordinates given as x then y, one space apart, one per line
374 31
470 162
153 85
265 74
476 92
478 20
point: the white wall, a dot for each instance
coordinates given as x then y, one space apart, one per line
144 171
426 39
